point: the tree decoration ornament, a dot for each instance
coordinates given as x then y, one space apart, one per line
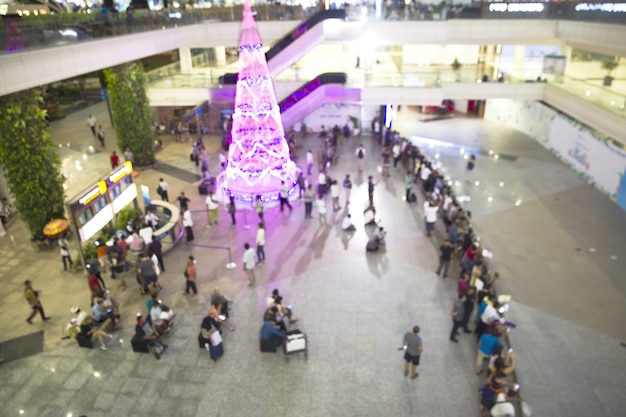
258 156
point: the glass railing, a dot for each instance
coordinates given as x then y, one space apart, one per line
429 77
599 95
24 33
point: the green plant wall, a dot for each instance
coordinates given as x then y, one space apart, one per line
29 159
131 111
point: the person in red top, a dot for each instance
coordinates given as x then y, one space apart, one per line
94 286
115 160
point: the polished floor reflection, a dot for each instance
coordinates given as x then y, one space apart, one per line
568 300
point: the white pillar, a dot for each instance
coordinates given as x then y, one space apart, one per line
186 66
518 62
220 56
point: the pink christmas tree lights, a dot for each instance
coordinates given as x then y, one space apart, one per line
258 156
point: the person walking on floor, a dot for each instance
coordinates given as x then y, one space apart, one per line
259 208
412 344
260 243
129 156
321 210
212 208
334 193
457 313
32 297
248 263
301 185
284 196
188 224
408 186
309 196
445 256
370 189
115 160
100 135
191 272
183 201
156 247
65 252
91 122
360 154
309 162
347 186
164 187
231 210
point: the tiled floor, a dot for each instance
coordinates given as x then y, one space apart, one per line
569 304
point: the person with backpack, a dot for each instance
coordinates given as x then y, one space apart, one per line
360 154
493 394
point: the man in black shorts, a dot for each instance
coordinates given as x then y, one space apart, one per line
413 348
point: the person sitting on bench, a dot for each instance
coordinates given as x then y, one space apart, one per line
347 225
376 241
89 329
147 334
269 333
102 314
162 317
73 327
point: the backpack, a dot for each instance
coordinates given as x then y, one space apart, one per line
489 393
360 154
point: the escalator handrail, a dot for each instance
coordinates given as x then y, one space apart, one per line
231 78
308 88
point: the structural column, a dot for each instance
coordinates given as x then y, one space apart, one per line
186 66
220 56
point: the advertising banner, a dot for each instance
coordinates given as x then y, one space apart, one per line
598 160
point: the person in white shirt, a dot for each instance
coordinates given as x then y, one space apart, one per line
212 207
430 215
321 183
65 253
187 224
309 162
347 225
395 151
163 186
248 263
73 327
91 122
260 243
151 219
424 172
284 196
321 210
334 193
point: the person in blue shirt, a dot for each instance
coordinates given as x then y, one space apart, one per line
486 345
100 314
269 332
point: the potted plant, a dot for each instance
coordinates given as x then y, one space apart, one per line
456 67
609 64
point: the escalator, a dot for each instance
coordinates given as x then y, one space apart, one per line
323 89
300 40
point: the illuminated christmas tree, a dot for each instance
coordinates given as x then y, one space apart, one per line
258 156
